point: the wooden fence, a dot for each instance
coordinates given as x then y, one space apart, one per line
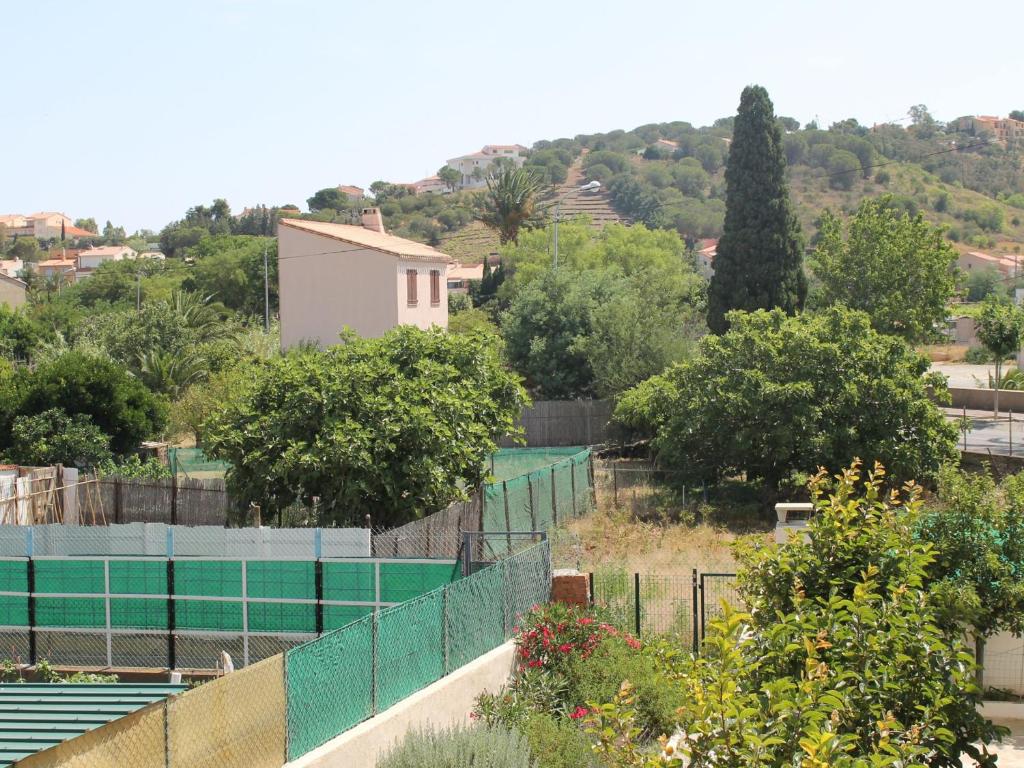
175 501
550 423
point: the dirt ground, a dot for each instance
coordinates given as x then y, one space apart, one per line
630 537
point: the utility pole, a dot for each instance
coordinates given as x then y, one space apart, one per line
266 291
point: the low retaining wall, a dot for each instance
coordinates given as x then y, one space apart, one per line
984 399
445 703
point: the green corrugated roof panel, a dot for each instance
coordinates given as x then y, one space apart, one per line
35 716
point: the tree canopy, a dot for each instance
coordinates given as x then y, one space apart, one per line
776 395
392 427
759 261
897 268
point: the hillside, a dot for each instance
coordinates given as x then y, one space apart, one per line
671 175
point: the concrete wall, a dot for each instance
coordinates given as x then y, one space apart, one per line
322 290
445 703
982 399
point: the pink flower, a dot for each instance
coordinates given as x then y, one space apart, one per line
535 663
474 716
586 620
565 647
579 712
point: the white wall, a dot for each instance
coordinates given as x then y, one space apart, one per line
423 315
327 284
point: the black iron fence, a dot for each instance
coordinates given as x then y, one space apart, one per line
679 605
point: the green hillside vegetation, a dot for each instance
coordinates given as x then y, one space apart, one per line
964 182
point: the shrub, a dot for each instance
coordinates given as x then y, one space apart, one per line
480 747
557 742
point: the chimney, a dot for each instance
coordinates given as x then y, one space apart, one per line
373 220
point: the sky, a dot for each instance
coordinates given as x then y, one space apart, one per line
135 111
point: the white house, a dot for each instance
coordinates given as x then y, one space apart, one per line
474 167
91 258
333 276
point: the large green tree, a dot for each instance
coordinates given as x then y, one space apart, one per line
394 427
53 437
78 383
758 264
778 394
897 268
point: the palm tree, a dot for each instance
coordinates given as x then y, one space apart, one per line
171 373
511 200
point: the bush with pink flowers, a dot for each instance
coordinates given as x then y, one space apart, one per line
568 656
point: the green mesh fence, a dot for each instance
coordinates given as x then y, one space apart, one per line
410 647
192 461
542 497
354 672
475 616
513 462
330 686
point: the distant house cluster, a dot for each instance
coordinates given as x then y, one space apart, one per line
473 168
44 225
1003 130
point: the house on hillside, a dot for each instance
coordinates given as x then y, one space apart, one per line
91 258
474 167
1002 130
12 291
11 267
972 261
459 276
351 192
333 276
429 184
65 269
44 225
706 252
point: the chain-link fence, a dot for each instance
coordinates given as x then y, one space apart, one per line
192 462
350 674
678 605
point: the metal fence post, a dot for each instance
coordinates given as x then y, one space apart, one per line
533 512
174 499
554 495
318 581
508 522
572 484
467 553
702 614
374 671
591 580
693 603
172 651
31 575
636 601
444 630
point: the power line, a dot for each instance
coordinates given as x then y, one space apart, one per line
908 160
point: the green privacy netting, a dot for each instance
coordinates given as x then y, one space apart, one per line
73 594
189 461
513 462
541 498
350 674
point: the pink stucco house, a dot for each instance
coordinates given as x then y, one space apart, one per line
333 276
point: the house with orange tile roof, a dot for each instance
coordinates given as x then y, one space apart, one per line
43 225
972 261
337 276
351 192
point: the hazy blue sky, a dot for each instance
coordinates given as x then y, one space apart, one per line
133 111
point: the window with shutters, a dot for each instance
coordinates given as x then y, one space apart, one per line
410 287
435 287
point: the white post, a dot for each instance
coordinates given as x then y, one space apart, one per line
245 619
106 606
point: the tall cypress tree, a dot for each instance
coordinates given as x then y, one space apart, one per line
759 263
